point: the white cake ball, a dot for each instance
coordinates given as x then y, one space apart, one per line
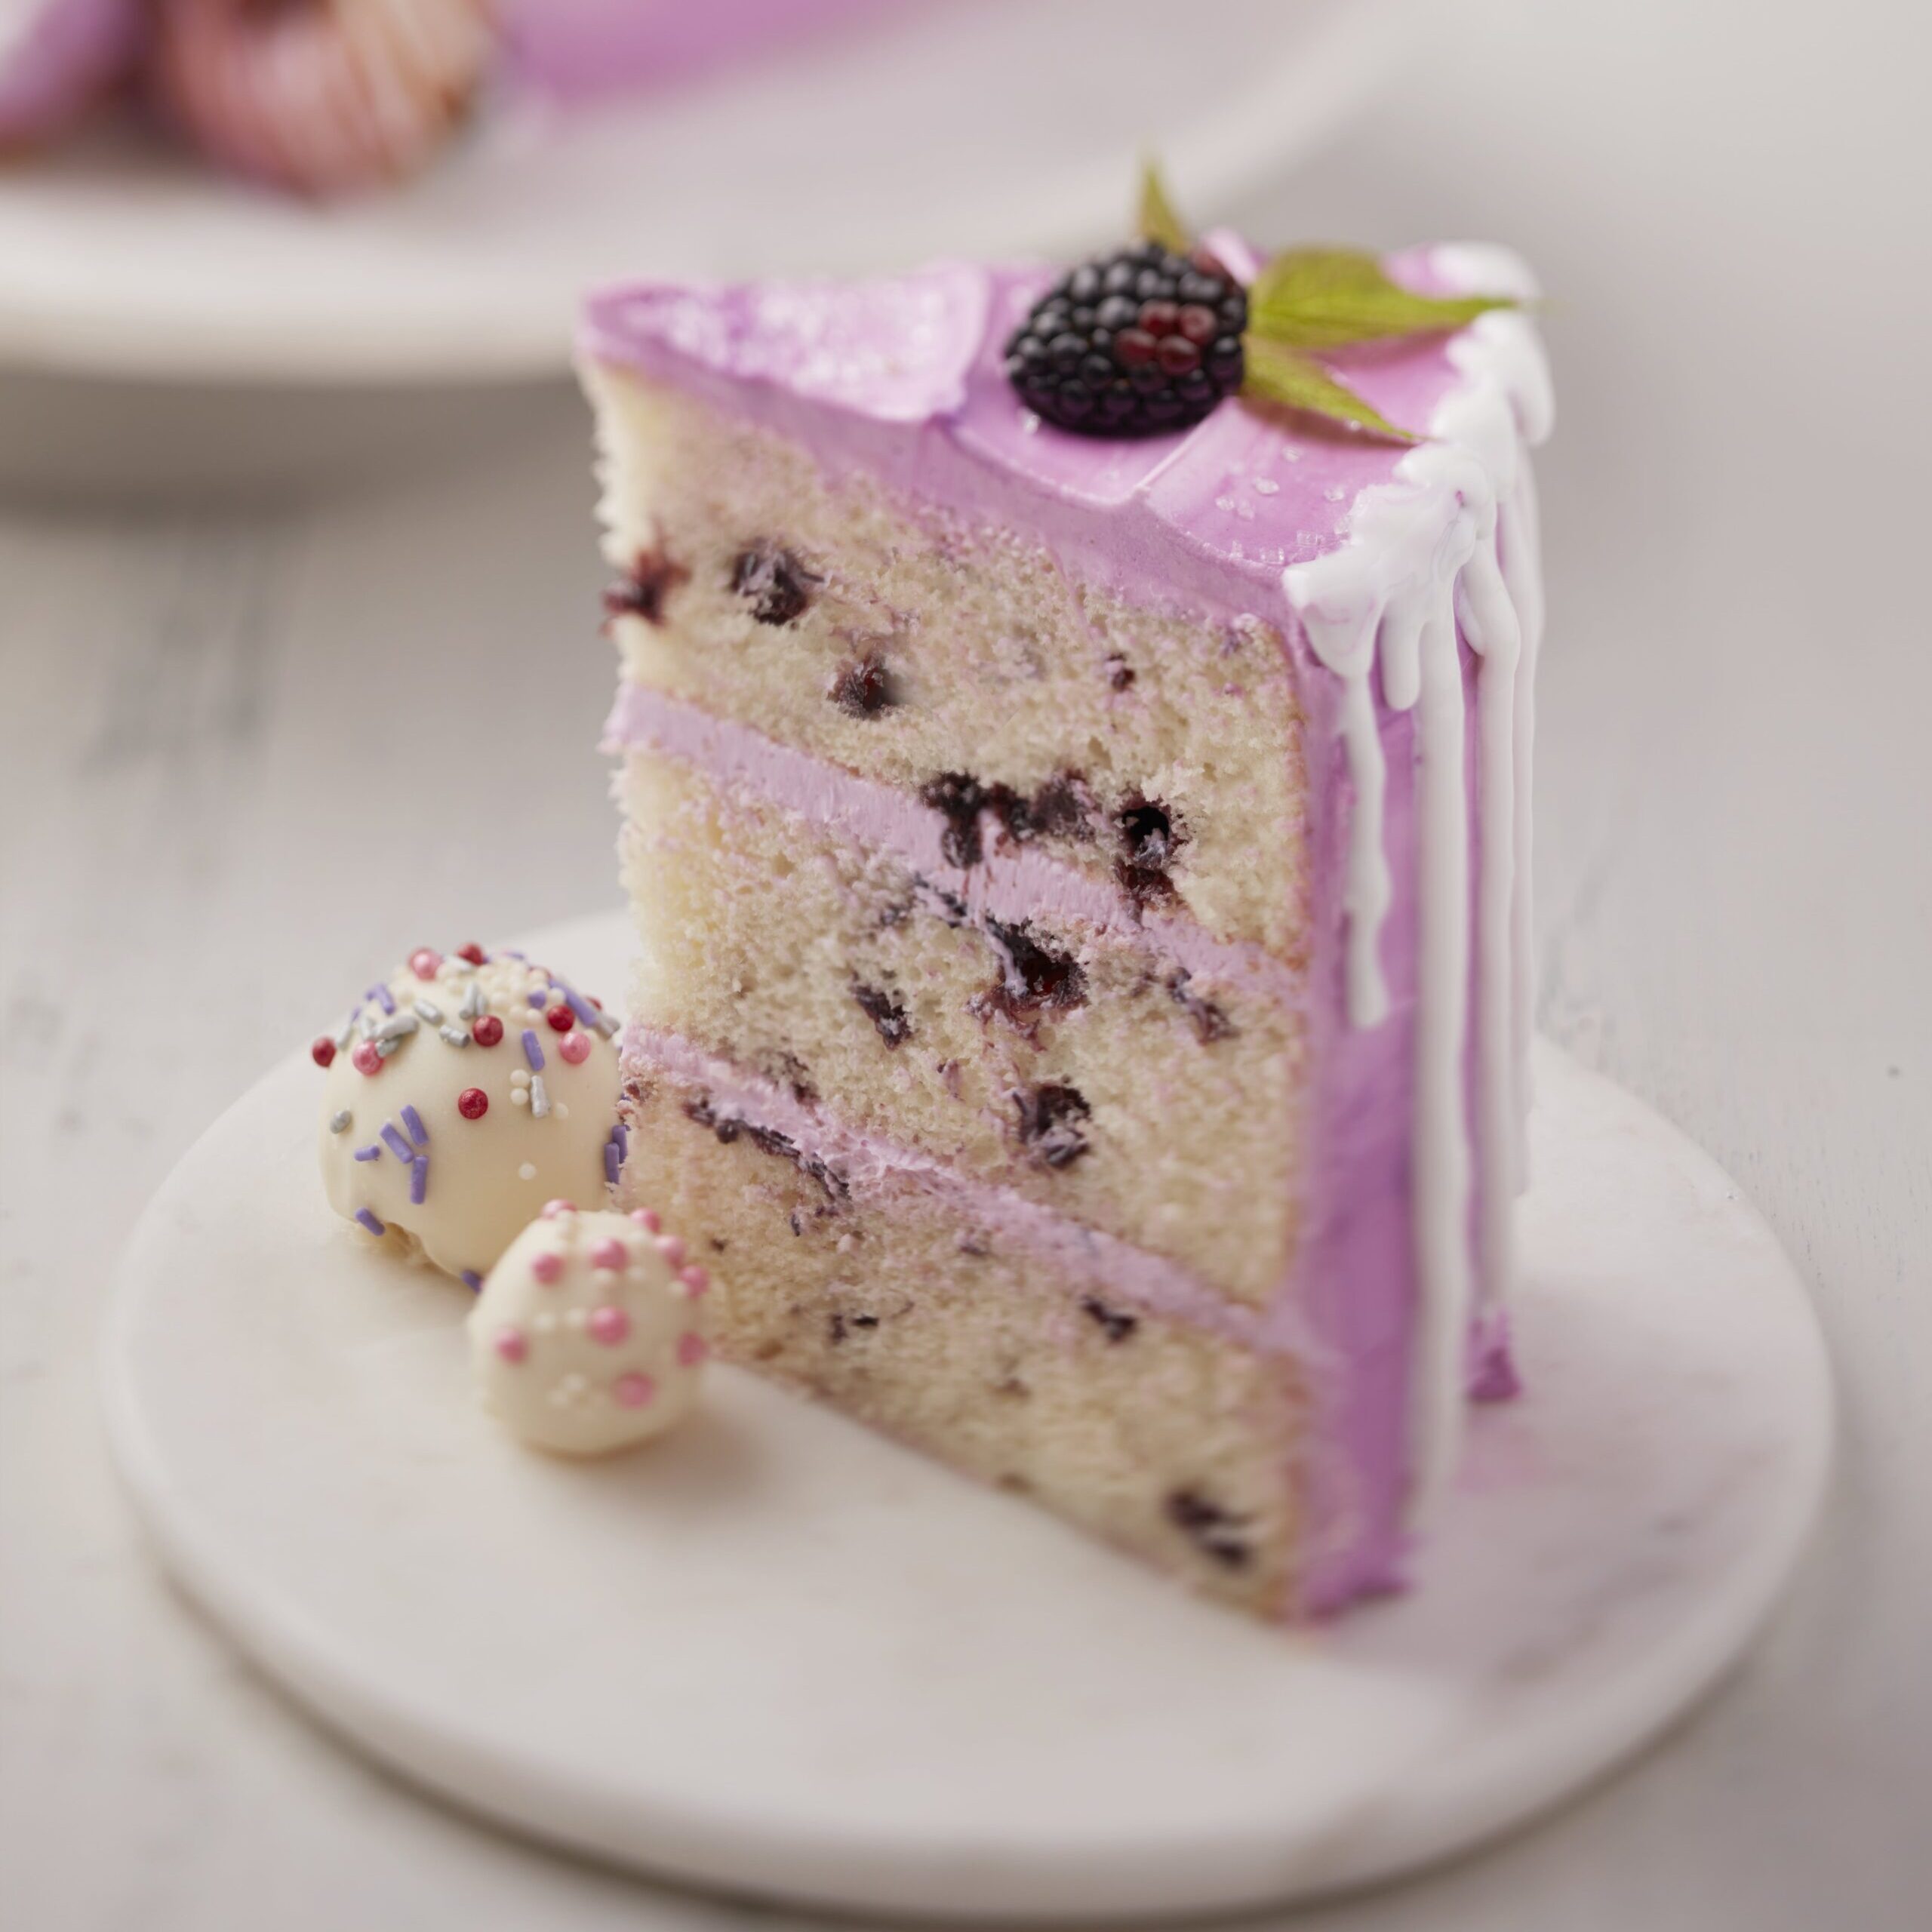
460 1095
590 1333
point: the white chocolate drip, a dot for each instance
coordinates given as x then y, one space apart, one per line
1450 543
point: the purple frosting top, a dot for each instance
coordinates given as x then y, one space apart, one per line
844 369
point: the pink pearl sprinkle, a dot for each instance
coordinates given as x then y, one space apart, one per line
426 962
695 1279
633 1390
547 1267
609 1325
692 1349
365 1058
575 1048
611 1254
672 1250
646 1218
511 1345
552 1209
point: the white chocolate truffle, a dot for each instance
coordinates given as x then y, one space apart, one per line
590 1333
460 1095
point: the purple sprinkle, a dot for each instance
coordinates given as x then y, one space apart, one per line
471 1280
509 953
371 1152
612 1162
418 1179
384 998
532 1051
370 1222
418 1132
397 1146
621 1134
586 1013
536 998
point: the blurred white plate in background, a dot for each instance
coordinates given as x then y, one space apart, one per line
979 128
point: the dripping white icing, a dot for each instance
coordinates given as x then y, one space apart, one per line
1450 541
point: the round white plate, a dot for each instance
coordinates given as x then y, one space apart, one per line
778 1655
977 127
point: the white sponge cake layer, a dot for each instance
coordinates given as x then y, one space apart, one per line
872 1290
831 616
1082 1070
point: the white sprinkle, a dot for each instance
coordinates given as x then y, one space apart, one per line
474 1004
397 1026
384 1048
607 1024
543 1322
539 1097
453 1036
521 1077
519 1097
344 1035
528 1170
424 1011
1267 486
338 1122
1334 493
575 1318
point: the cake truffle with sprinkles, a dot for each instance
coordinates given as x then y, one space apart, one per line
437 1139
1094 1029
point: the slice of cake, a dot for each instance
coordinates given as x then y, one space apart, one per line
1082 878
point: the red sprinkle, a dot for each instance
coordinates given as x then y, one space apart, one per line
472 952
487 1031
365 1058
425 962
323 1052
472 1103
561 1017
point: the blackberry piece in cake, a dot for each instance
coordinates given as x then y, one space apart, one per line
1082 888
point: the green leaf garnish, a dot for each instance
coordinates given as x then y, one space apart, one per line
1325 298
1157 220
1279 373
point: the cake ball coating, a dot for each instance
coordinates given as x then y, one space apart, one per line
433 1143
587 1338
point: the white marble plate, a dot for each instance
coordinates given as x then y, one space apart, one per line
982 127
777 1655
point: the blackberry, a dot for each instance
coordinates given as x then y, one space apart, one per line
1131 344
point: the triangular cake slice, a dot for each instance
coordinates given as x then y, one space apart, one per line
1082 887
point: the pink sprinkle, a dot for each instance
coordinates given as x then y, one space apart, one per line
547 1267
695 1279
552 1209
575 1048
425 962
692 1349
646 1218
634 1390
510 1344
609 1325
365 1058
672 1250
611 1254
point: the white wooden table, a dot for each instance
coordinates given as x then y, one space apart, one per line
248 753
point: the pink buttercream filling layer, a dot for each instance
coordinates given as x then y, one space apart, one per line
1012 881
1150 1283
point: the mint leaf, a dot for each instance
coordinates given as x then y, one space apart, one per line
1279 373
1157 220
1323 298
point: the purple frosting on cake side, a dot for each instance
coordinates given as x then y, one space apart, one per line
902 381
55 56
